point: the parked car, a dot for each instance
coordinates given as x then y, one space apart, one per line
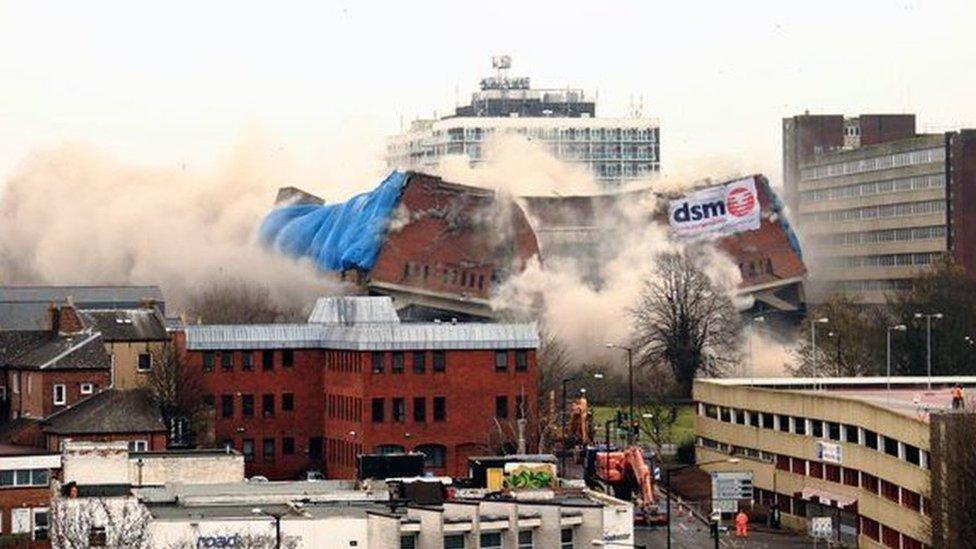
314 476
257 478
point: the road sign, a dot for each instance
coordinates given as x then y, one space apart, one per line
822 528
728 488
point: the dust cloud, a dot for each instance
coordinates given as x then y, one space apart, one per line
75 215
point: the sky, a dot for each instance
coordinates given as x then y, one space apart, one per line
178 83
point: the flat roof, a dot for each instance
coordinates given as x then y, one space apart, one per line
168 511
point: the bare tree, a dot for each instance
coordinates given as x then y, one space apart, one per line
685 320
176 389
850 344
122 523
235 301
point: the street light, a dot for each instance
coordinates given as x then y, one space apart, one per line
897 328
630 369
928 339
813 341
667 487
277 519
565 381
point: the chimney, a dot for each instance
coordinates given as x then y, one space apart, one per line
66 320
53 318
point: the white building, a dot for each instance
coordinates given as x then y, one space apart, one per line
615 150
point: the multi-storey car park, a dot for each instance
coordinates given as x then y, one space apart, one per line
614 150
846 448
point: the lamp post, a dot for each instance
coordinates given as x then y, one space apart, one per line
928 341
565 381
667 488
897 328
813 342
277 519
630 398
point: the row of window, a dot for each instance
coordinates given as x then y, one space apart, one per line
418 361
269 447
552 134
883 162
344 407
872 212
398 409
886 260
17 478
246 359
342 452
26 520
901 184
60 392
454 277
490 540
885 235
247 404
816 428
884 285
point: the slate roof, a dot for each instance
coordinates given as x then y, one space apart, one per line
14 344
83 350
25 307
110 411
143 324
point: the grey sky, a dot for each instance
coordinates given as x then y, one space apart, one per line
179 82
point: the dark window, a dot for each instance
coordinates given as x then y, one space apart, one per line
377 362
397 367
454 541
247 360
267 359
408 541
208 361
501 407
440 360
871 439
912 455
420 409
725 414
97 536
911 500
227 405
287 402
784 423
850 433
800 425
490 540
247 405
501 361
287 358
799 466
386 449
782 462
419 362
145 362
850 477
754 419
739 417
399 410
869 482
711 411
767 421
247 448
816 428
889 490
521 360
315 448
435 455
287 446
831 473
268 451
267 405
891 446
833 430
378 410
816 469
440 409
227 360
208 401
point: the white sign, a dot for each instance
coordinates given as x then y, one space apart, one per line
723 210
829 452
730 488
822 527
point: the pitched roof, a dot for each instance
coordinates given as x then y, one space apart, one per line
143 324
14 344
25 307
83 350
353 310
107 412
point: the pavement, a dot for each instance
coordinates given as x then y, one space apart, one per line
686 535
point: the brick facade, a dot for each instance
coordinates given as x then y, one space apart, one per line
30 392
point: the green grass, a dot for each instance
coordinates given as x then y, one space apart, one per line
683 429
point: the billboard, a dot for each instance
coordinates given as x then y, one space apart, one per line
729 488
717 211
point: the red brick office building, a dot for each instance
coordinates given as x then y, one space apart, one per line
354 379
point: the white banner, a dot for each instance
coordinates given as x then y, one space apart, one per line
829 452
727 209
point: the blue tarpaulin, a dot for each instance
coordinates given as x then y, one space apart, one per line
336 237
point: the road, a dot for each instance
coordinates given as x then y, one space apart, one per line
689 535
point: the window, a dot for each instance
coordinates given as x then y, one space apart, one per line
399 410
315 448
767 420
501 407
267 405
97 536
40 523
491 540
24 477
408 541
831 473
209 401
419 362
869 482
138 446
850 434
227 360
60 396
891 446
754 419
501 361
39 477
566 538
816 428
247 360
420 409
525 540
268 450
208 361
287 446
377 410
397 367
227 405
287 402
145 362
912 455
440 360
833 430
287 358
267 359
435 455
440 409
247 448
784 423
454 541
87 388
800 425
377 362
247 405
521 360
386 449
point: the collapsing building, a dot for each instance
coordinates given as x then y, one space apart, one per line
440 249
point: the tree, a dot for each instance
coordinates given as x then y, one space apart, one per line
850 343
946 289
685 320
121 523
176 389
553 364
235 301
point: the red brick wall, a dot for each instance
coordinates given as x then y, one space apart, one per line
11 498
881 128
39 402
962 216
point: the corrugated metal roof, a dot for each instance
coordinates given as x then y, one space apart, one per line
353 310
363 337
